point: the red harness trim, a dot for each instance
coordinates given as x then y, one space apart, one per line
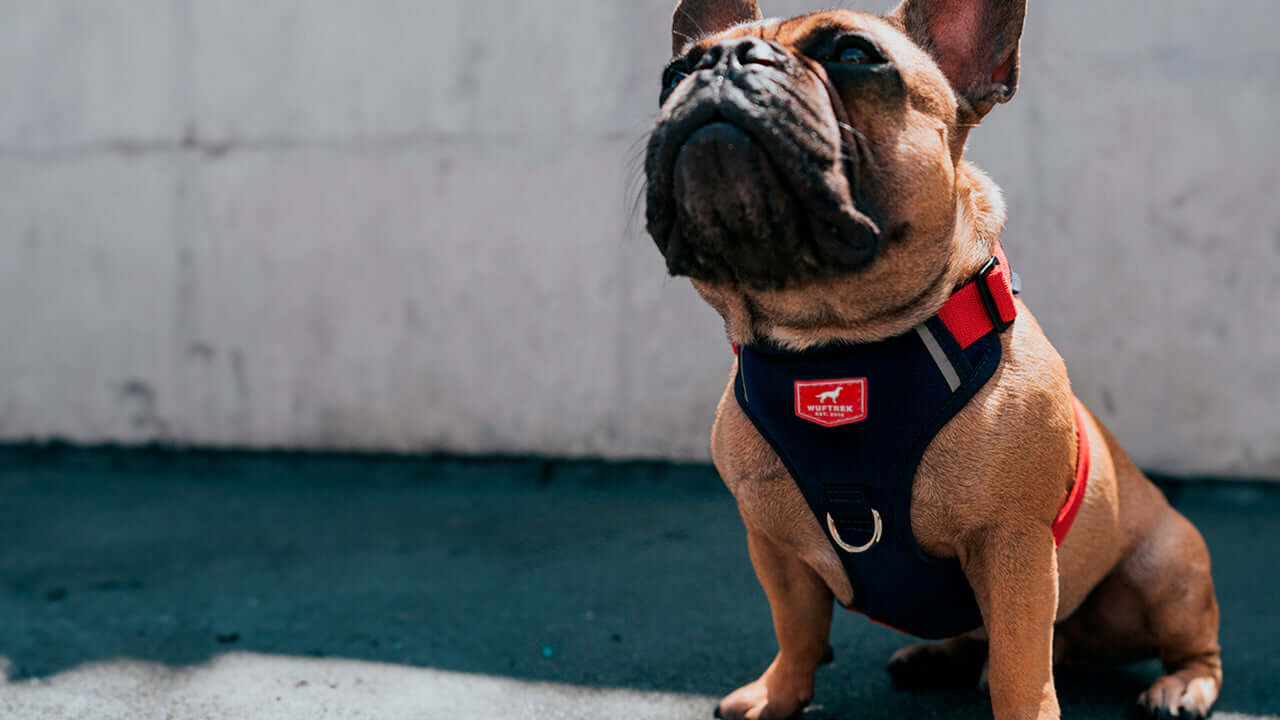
1067 515
966 314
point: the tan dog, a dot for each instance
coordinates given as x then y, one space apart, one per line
807 175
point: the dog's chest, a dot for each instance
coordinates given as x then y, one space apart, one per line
828 466
770 501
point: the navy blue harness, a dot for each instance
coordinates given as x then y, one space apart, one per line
851 423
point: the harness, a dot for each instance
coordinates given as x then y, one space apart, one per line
851 423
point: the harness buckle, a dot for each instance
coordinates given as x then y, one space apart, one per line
988 298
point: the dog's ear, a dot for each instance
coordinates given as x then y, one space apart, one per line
974 42
695 18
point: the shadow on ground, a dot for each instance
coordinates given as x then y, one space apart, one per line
629 576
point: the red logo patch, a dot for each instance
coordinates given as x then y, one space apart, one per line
832 402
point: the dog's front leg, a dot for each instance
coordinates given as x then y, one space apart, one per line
1015 577
801 606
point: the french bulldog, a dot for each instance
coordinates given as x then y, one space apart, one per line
808 176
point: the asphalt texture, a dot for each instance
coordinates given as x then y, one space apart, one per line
204 585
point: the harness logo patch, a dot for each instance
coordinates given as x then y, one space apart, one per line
830 403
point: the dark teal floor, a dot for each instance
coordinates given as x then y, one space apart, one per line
611 575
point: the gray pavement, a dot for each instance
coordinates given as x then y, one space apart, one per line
198 585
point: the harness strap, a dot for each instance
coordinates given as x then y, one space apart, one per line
850 508
984 305
1067 515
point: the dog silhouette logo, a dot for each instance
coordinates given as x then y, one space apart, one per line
831 396
831 403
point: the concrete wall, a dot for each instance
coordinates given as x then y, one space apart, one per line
405 225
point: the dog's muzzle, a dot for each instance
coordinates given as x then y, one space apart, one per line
749 179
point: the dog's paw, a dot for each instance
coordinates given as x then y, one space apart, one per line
755 702
954 664
792 689
1178 697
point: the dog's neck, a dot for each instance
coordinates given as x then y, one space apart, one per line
980 216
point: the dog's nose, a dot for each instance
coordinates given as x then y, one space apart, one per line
736 53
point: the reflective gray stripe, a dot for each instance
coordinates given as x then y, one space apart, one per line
742 370
939 357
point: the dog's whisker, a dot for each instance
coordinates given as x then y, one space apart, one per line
693 20
685 36
853 131
637 183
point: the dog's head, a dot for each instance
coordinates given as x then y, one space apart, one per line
806 174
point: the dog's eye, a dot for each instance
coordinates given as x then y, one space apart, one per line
670 79
854 50
856 56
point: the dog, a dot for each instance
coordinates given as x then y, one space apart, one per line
807 175
832 396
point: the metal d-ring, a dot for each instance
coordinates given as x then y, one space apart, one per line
875 535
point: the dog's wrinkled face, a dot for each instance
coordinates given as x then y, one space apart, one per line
806 172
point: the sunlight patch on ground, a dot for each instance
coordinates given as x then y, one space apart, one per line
269 687
279 687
